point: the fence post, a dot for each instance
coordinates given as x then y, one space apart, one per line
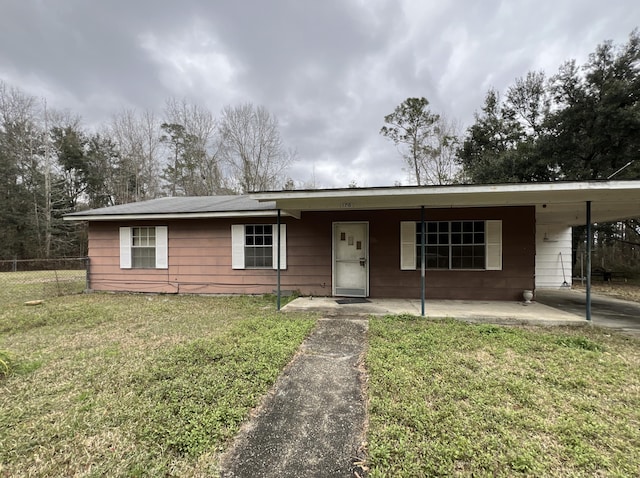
86 273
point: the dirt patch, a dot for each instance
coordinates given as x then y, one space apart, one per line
619 290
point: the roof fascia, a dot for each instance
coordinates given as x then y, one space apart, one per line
191 215
446 190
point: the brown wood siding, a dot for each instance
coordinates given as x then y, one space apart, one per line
199 261
200 257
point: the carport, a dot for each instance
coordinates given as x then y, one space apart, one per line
609 312
565 204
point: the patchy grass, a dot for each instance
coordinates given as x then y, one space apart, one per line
455 399
18 287
135 385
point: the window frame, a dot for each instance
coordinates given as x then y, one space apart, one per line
451 239
409 245
143 247
258 246
161 260
239 246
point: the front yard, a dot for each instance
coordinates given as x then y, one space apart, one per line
137 385
133 385
455 399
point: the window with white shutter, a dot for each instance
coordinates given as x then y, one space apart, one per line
254 246
144 247
452 245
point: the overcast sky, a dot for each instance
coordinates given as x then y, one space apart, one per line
330 70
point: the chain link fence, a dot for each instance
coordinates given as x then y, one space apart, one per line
38 279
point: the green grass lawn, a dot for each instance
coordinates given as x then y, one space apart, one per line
155 385
454 399
134 385
19 287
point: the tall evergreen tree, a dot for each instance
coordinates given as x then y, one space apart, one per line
584 123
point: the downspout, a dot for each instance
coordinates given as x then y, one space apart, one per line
423 260
589 246
278 292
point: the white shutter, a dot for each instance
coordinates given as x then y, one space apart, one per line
408 245
494 245
237 246
125 248
283 246
162 247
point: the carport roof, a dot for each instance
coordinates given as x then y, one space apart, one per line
556 202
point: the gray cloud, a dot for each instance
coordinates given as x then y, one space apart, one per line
329 70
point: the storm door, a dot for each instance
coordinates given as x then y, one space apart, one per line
351 259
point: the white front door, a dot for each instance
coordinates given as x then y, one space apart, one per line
351 259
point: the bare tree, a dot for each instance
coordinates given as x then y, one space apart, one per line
22 138
138 139
254 153
441 166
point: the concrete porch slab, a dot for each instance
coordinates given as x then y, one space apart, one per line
497 312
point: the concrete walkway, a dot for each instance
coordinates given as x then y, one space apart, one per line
313 422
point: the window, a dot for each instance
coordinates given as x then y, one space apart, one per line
474 245
253 246
144 247
437 245
258 246
452 244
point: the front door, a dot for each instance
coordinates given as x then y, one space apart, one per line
351 259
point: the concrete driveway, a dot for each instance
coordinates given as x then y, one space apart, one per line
606 311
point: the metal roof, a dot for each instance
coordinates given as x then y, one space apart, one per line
179 207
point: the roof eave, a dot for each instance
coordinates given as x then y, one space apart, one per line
167 216
455 196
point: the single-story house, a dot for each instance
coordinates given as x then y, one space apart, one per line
488 242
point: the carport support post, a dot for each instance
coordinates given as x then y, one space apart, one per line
278 266
588 299
423 260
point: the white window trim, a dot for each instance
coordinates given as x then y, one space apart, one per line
493 246
238 244
162 247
